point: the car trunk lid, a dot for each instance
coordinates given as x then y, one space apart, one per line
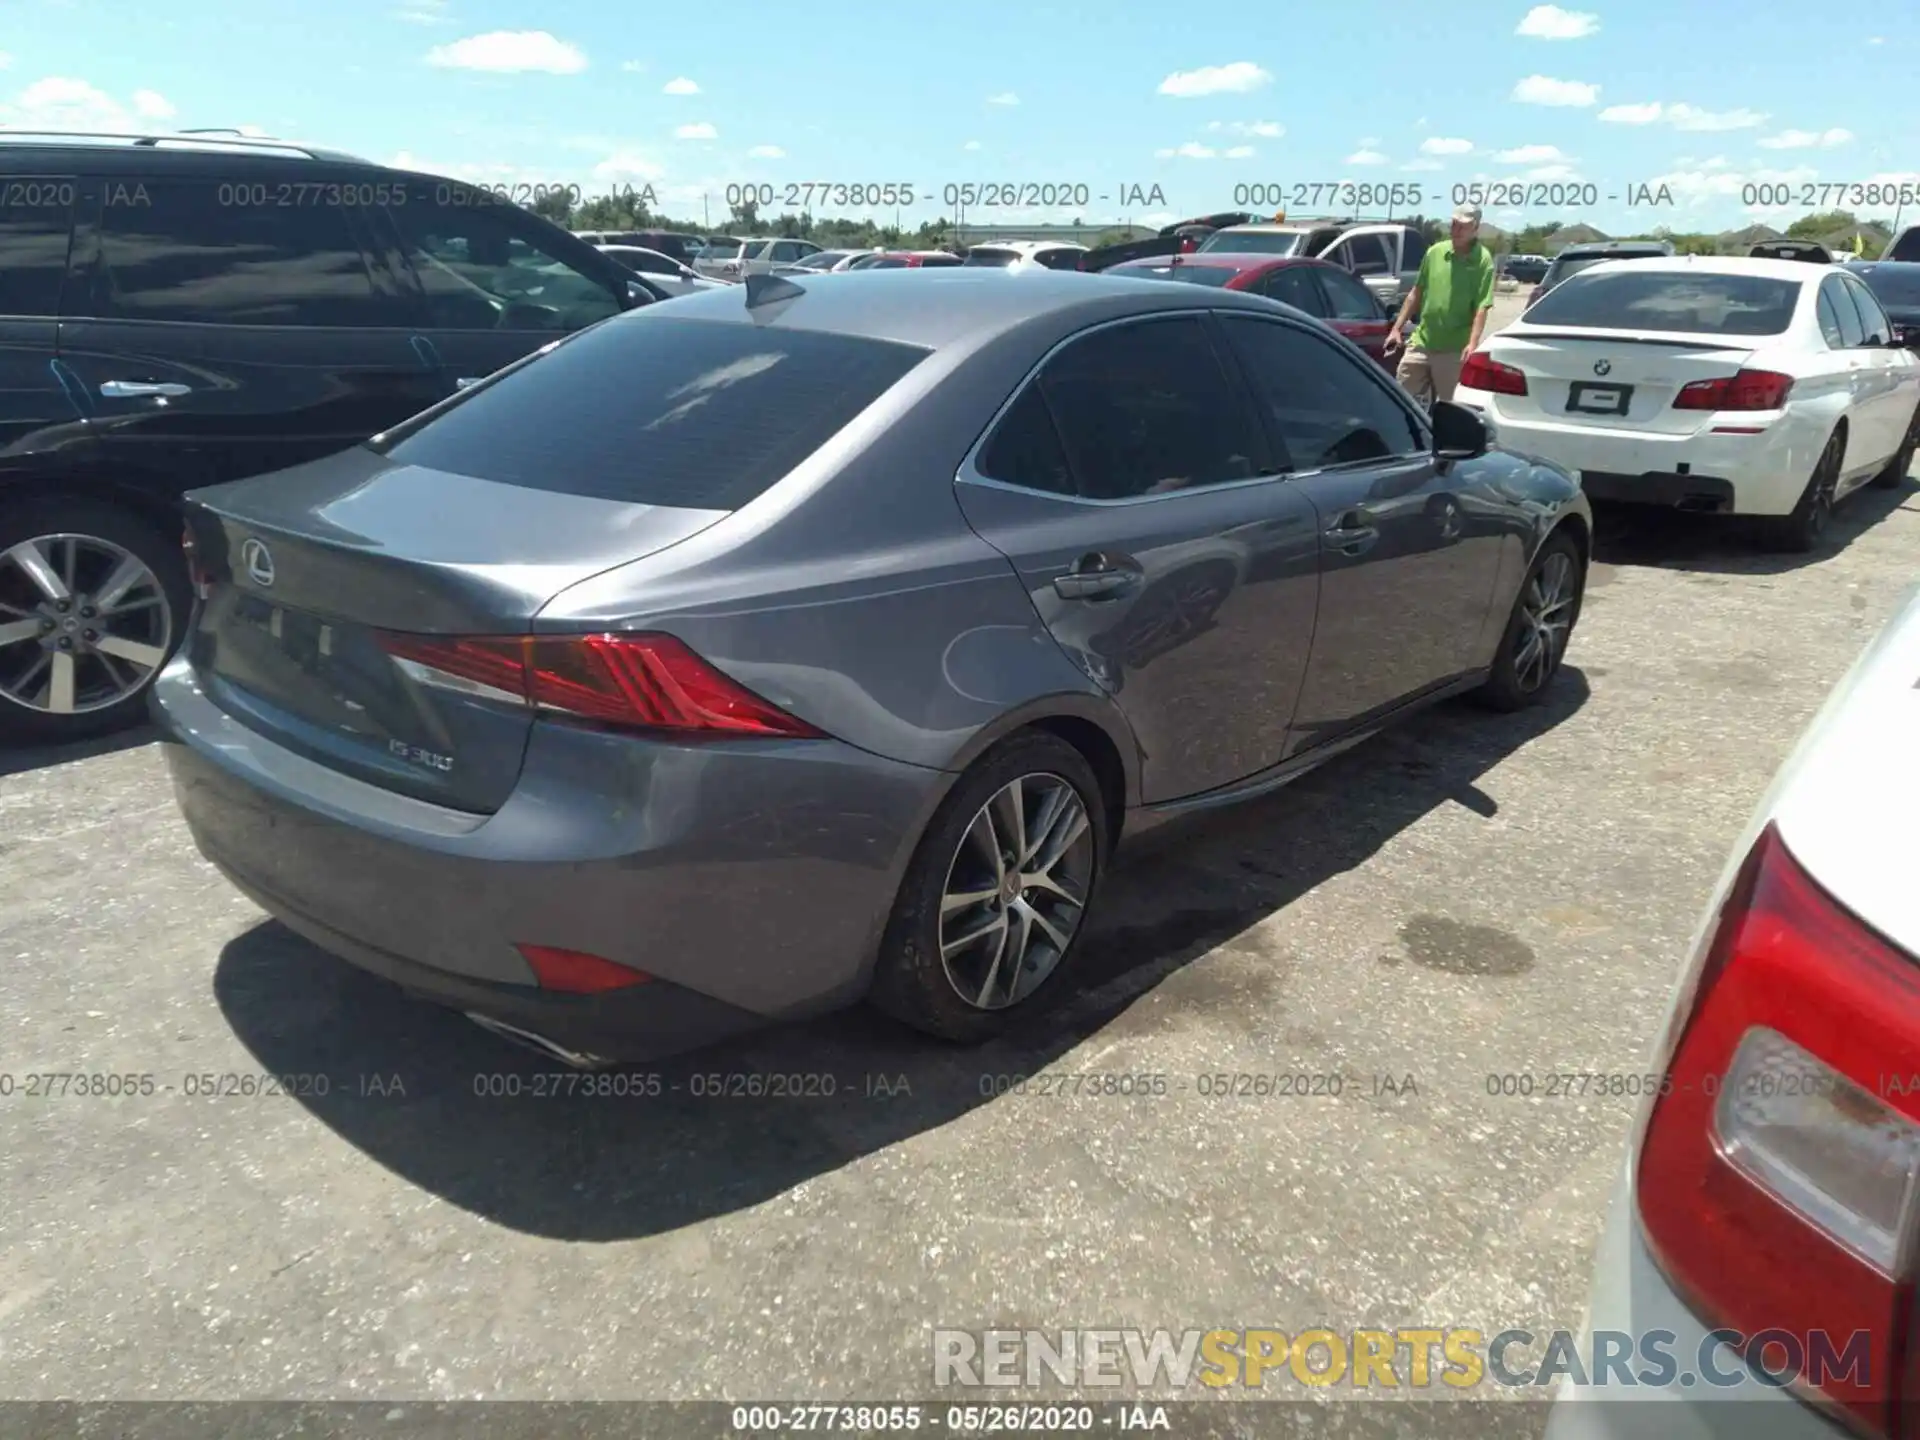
302 572
1584 378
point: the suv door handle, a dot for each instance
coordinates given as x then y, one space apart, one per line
1095 577
134 389
1354 533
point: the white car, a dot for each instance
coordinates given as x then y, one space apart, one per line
1770 388
1053 254
663 271
1772 1187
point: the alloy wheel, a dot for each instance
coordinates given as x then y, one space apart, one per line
84 623
1546 615
1016 891
1825 479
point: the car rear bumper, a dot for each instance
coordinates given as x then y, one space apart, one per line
1632 1298
1761 474
751 879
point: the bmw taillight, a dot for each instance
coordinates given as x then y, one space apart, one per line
645 681
1779 1174
1747 390
1481 373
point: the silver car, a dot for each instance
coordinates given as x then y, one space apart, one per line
784 645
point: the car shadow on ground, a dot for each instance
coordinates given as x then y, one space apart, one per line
1641 535
420 1089
17 760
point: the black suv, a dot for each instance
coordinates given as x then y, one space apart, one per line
177 311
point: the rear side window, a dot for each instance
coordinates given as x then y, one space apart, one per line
652 410
1683 301
1025 450
224 253
1878 329
1830 320
36 215
1852 332
1293 286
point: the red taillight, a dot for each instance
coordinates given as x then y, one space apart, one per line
577 972
1779 1176
1481 373
646 681
1748 390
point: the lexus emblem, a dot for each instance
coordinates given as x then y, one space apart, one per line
259 562
1602 367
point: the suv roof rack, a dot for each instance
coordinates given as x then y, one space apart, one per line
188 139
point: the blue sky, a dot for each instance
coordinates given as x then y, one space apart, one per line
1705 96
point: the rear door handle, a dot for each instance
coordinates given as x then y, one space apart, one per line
1354 533
134 389
1095 577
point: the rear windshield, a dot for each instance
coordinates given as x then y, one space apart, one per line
1573 265
654 410
1895 285
1683 301
981 256
1216 275
1254 242
723 250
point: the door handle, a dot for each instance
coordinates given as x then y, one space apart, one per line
1095 577
134 389
1354 532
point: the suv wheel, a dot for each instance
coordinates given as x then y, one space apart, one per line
93 599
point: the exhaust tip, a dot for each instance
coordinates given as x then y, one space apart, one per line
530 1040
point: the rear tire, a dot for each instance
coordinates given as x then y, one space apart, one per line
87 547
998 962
1801 532
1896 472
1539 629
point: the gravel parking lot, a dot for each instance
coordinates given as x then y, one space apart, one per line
1472 896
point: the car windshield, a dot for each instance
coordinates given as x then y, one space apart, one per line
654 410
723 250
987 255
1254 242
1897 286
1685 302
823 259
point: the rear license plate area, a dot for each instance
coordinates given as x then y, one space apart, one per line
303 639
1585 397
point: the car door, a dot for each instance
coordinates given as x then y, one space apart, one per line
1364 253
1888 366
36 225
1407 560
1866 424
214 333
1129 484
1353 310
490 283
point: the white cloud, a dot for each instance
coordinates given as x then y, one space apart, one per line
1544 90
1364 156
1235 79
1878 40
479 172
1703 185
1550 22
1240 152
1531 155
767 152
628 165
423 12
633 67
58 102
971 145
1423 165
1442 145
255 132
1805 139
1192 150
699 130
1632 114
1264 129
680 85
6 60
1551 172
507 52
1691 117
1005 97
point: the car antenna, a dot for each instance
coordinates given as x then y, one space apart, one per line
768 289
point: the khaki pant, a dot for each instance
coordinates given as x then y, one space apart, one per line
1429 375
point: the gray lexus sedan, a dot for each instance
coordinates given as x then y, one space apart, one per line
810 641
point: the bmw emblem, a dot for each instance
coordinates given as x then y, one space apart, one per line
259 562
1603 367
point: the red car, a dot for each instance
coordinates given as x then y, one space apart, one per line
910 260
1326 291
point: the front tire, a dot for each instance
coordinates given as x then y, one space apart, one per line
1544 614
93 600
1801 532
995 902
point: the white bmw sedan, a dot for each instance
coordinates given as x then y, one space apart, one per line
1770 388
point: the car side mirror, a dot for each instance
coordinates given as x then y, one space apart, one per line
1458 433
639 293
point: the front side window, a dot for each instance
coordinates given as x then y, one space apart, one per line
1326 409
217 253
1362 254
1148 408
489 267
1873 320
1347 298
1293 285
36 217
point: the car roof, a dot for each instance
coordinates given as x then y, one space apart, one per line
176 155
1241 261
959 305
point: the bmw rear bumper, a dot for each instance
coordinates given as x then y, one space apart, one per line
751 879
